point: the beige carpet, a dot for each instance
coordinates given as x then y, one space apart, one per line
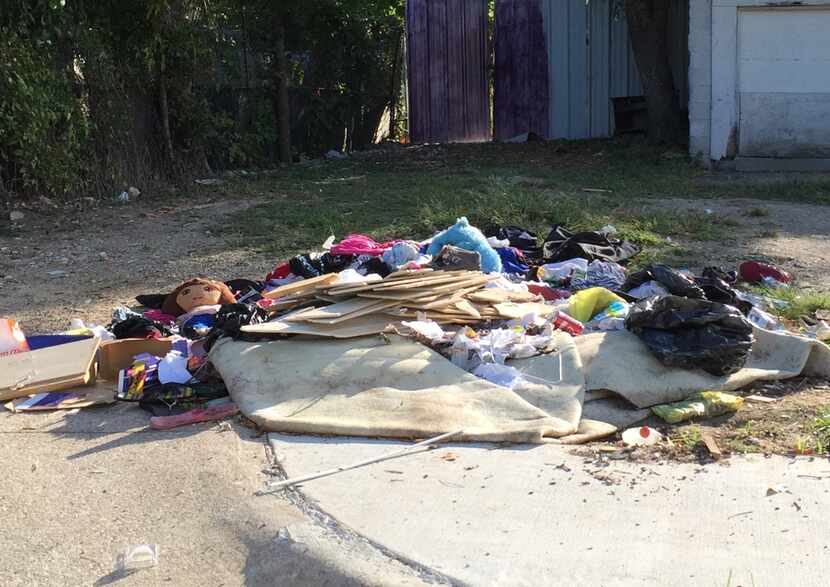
399 388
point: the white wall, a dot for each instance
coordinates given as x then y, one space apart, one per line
713 75
700 77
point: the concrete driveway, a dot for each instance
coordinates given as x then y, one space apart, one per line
483 515
80 487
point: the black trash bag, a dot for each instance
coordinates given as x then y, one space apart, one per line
674 281
520 238
717 288
316 264
693 334
562 245
139 327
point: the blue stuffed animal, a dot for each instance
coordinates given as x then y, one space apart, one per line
464 236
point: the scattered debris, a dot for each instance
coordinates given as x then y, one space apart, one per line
141 556
711 445
776 489
643 436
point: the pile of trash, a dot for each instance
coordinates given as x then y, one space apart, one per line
482 299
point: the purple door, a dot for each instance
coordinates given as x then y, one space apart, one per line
447 70
520 80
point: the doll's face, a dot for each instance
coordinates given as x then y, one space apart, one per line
198 295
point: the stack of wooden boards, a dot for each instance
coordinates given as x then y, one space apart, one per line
360 309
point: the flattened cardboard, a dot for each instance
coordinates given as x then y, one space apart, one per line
49 369
102 392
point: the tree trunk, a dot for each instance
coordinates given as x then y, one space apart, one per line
283 112
395 92
647 26
164 108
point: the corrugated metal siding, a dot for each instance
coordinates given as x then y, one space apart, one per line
447 70
521 96
565 27
591 61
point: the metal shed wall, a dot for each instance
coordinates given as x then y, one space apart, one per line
447 70
590 61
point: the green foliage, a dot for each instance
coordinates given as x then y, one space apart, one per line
42 127
100 95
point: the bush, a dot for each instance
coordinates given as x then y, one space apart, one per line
42 128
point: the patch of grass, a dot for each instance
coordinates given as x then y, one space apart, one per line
739 442
799 302
688 437
416 191
308 204
769 234
757 212
820 429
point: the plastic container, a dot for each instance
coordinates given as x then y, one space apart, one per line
140 556
562 321
12 339
643 436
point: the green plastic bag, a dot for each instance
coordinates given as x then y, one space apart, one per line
705 404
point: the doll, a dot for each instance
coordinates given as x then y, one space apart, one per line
194 303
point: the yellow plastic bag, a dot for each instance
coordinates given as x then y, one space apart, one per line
586 304
705 404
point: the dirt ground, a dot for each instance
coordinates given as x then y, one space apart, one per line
60 264
794 236
81 263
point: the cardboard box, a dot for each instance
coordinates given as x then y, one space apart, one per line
115 355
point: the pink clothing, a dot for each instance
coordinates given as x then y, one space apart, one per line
159 316
360 244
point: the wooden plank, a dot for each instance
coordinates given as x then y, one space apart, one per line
409 273
468 308
711 445
377 307
298 287
339 309
503 122
521 87
404 284
418 87
419 295
474 29
363 326
438 71
538 86
456 98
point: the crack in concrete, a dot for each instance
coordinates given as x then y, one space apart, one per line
331 524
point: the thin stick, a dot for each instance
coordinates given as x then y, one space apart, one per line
410 449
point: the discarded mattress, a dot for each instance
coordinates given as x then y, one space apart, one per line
621 362
401 389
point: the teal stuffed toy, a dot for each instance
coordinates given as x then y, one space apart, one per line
464 236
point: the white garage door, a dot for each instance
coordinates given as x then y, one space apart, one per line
784 82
